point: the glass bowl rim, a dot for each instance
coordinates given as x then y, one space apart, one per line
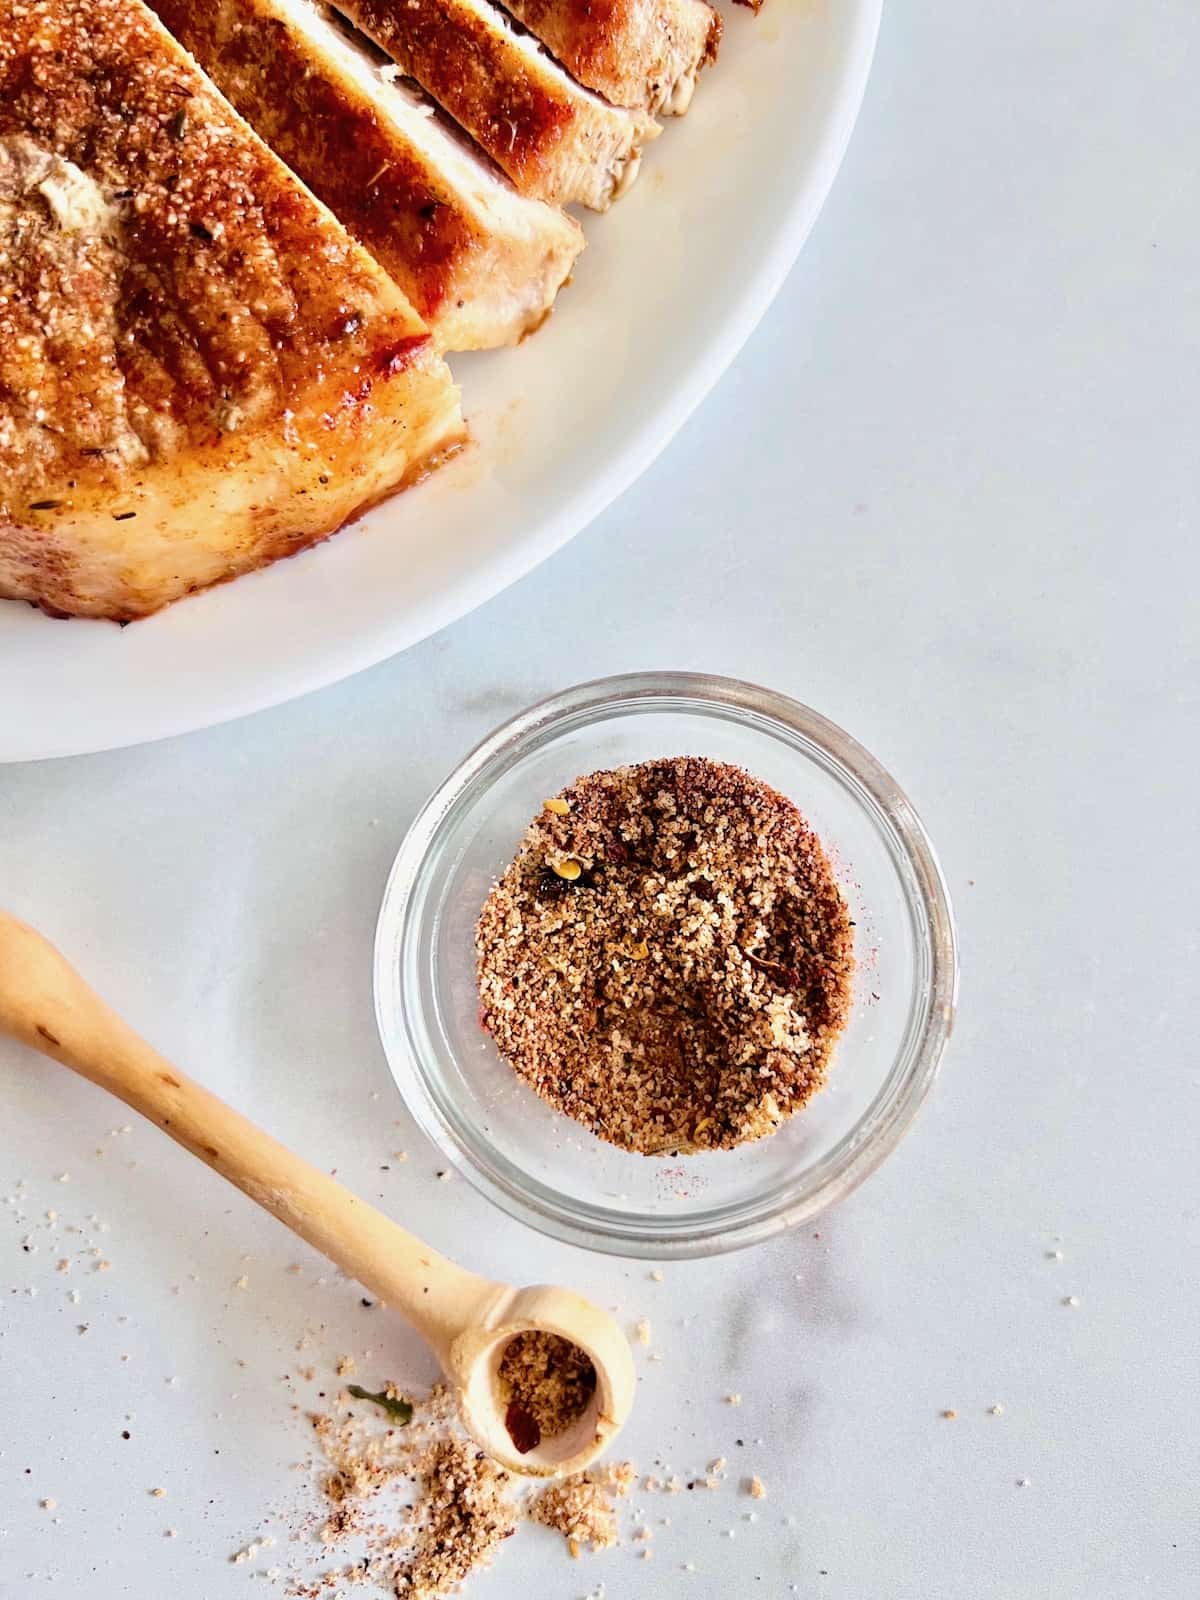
892 1110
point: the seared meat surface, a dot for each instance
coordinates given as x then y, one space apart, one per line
555 140
199 370
641 53
481 263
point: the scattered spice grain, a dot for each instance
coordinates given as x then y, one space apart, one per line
465 1504
582 1508
466 1514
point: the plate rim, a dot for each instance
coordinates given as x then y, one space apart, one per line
501 569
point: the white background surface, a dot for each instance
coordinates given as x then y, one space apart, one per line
948 497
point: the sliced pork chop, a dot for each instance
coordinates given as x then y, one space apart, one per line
200 371
481 263
640 53
556 140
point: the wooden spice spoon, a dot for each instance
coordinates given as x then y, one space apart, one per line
467 1319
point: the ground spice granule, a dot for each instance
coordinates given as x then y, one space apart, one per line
430 1507
466 1513
582 1507
668 958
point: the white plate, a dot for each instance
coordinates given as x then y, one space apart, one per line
672 283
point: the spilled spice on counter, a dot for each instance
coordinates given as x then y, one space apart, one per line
582 1507
427 1507
465 1512
668 959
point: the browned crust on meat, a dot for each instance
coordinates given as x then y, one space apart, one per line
533 124
386 197
205 212
469 281
631 51
209 372
464 66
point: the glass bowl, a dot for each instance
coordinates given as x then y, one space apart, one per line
536 1163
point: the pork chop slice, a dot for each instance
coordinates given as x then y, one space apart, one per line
638 53
200 371
556 140
481 263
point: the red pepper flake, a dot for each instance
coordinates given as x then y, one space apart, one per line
522 1428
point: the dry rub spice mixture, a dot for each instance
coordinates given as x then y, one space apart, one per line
668 959
451 1508
427 1507
466 1514
546 1383
581 1508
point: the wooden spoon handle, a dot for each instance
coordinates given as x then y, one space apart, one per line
46 1004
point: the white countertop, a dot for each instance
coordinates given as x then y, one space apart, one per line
947 496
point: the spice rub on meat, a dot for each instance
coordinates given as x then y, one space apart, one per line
556 140
668 959
645 53
480 262
200 371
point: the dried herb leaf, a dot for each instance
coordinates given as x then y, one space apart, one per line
399 1409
